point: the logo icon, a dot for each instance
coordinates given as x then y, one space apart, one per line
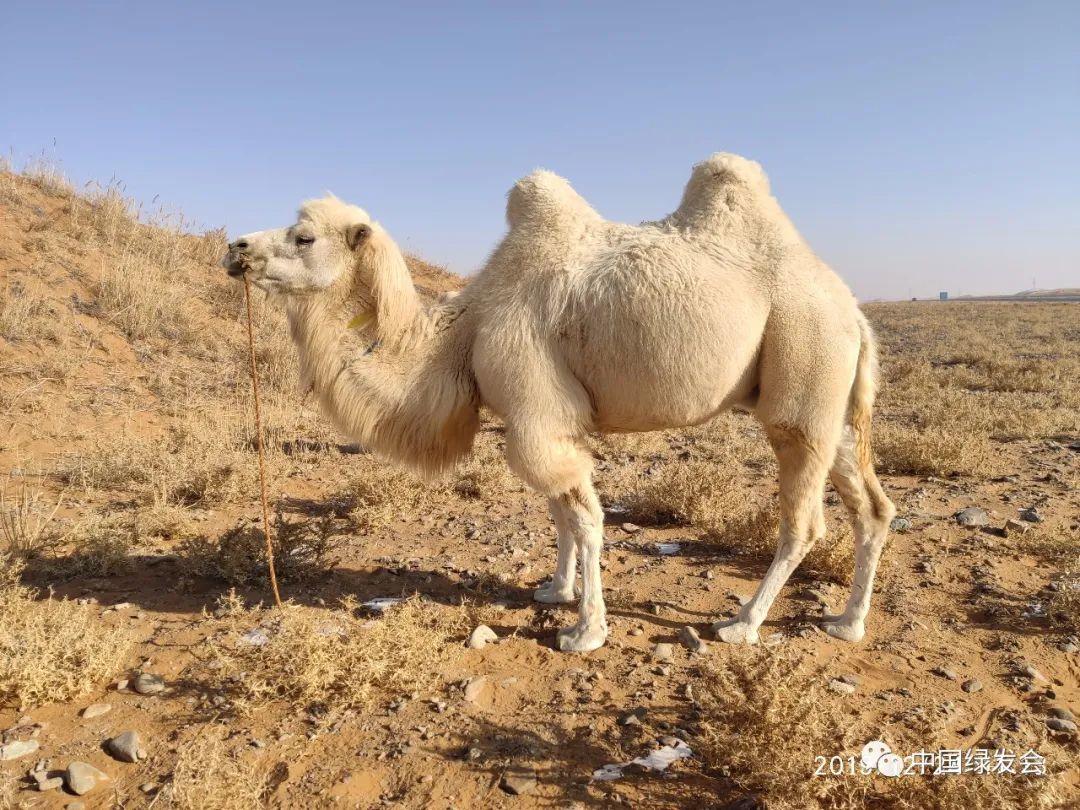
877 755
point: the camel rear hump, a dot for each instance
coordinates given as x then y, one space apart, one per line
722 179
545 199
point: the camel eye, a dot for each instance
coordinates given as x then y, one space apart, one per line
305 240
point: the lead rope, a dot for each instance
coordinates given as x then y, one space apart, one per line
259 445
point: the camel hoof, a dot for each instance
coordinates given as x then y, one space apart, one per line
845 630
581 639
551 595
735 631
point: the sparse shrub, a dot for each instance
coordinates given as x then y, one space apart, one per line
332 658
26 522
100 546
1064 606
485 475
51 649
767 715
384 493
210 776
302 550
1052 543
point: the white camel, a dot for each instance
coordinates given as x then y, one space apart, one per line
577 325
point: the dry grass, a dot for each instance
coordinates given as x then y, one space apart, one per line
961 378
138 299
333 659
1064 606
301 552
26 314
26 520
50 649
205 457
383 493
208 775
767 716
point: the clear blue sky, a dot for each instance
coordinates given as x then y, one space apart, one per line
918 146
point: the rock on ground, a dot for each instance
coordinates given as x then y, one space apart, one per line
474 689
96 710
147 683
972 516
16 749
518 781
481 636
126 747
82 777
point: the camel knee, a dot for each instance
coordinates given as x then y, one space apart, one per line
550 466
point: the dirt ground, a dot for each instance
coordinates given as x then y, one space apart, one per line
130 494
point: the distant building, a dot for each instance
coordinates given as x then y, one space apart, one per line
943 296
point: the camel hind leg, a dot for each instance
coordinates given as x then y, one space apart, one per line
871 512
804 463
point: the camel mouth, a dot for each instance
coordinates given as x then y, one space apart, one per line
236 265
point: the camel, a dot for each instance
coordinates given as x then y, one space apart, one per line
577 325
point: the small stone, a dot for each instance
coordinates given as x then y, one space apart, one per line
50 784
972 685
1068 647
1057 724
690 639
663 651
121 684
849 678
518 781
1031 515
635 631
147 787
18 748
475 688
480 637
147 683
841 687
96 710
631 528
81 777
126 747
1061 713
972 517
945 673
900 524
632 717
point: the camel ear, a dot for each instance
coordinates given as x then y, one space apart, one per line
357 235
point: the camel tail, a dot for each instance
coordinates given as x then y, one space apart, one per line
863 393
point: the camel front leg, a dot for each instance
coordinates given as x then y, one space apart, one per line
585 519
563 586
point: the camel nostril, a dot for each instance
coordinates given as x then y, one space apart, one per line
239 244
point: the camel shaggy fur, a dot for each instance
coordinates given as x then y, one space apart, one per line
577 325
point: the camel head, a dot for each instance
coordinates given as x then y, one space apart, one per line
335 250
322 250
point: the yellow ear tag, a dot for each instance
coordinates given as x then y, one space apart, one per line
363 319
